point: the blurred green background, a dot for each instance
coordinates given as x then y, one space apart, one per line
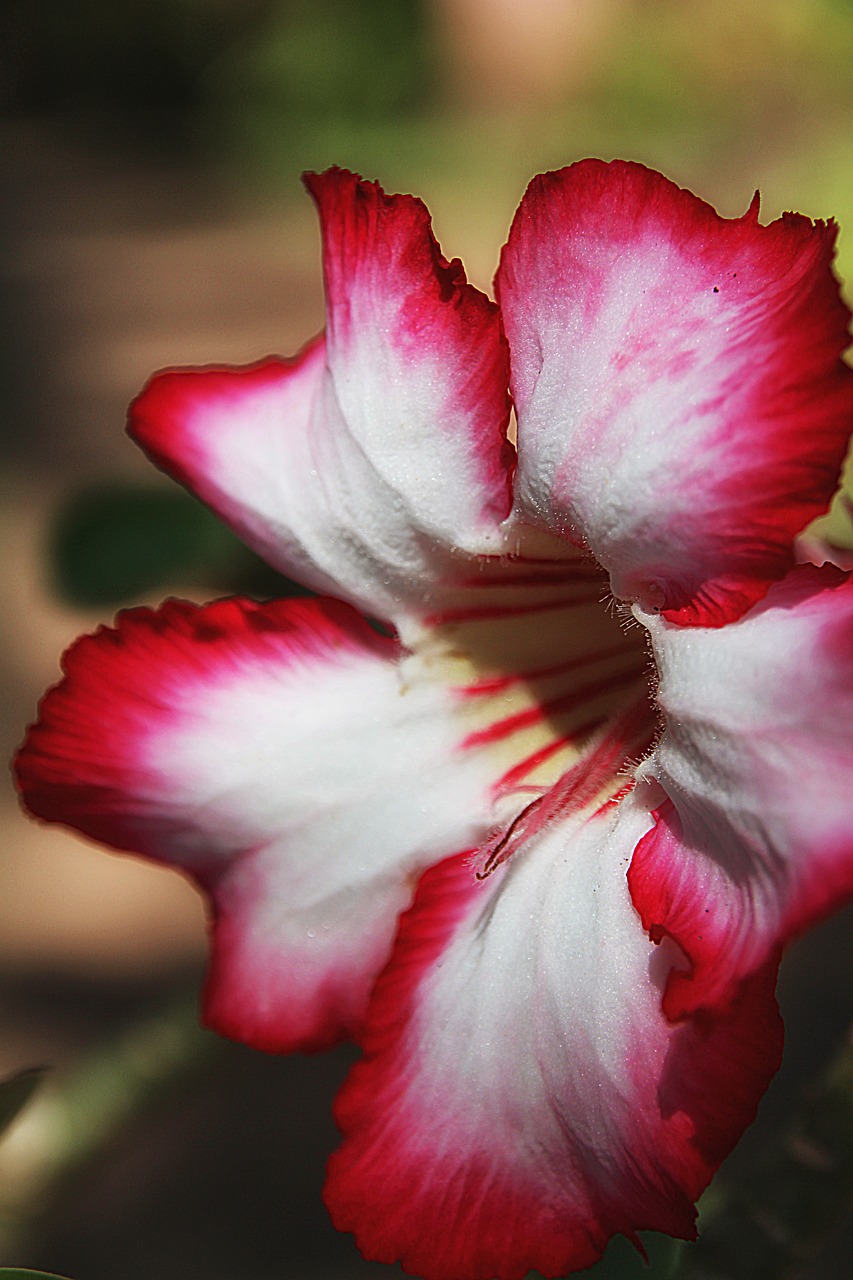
152 214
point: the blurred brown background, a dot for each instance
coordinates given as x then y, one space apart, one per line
152 214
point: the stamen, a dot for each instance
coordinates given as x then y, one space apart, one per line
586 783
500 848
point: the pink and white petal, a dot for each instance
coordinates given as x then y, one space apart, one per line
273 753
361 466
418 361
682 403
522 1097
239 438
755 840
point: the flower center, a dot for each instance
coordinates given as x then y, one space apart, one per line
550 678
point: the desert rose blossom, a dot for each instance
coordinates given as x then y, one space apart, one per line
538 841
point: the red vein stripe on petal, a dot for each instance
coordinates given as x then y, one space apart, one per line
518 608
548 708
488 685
507 573
535 713
597 775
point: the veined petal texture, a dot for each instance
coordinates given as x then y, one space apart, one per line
682 404
522 1095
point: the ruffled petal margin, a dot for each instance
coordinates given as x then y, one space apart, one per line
682 403
274 754
364 465
522 1096
755 840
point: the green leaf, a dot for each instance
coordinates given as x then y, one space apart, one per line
15 1093
112 543
21 1273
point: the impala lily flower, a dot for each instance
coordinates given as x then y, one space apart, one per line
536 844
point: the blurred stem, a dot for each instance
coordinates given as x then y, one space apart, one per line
74 1117
769 1227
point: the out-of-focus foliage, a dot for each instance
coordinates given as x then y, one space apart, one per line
277 64
721 97
15 1093
739 93
16 1273
622 1261
308 62
114 542
314 83
138 58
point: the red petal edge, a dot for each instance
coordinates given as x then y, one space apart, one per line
795 397
370 237
449 1222
79 761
